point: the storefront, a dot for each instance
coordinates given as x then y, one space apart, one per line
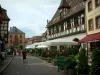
91 41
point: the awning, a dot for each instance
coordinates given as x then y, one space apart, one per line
42 46
65 40
91 38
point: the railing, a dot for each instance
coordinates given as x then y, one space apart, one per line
66 32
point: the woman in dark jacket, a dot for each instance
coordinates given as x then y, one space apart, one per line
24 53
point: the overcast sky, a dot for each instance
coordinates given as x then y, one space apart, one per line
30 15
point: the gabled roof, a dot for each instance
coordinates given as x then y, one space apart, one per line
45 33
4 14
75 6
15 30
64 4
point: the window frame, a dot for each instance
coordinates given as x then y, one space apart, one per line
96 4
89 29
91 6
96 21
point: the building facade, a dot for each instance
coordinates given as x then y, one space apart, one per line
93 16
92 8
16 37
36 39
4 25
28 41
44 36
68 22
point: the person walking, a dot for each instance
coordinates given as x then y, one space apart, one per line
14 52
24 53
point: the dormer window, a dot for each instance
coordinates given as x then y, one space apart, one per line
61 14
63 8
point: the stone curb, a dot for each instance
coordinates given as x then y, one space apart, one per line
6 65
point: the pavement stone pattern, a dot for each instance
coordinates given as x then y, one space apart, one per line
31 66
6 63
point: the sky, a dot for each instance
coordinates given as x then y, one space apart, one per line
30 16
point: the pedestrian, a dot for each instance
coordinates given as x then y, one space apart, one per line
14 52
19 51
24 53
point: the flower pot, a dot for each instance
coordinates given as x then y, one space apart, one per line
72 72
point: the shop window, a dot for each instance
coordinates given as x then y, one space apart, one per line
89 6
97 3
98 22
90 25
98 44
92 46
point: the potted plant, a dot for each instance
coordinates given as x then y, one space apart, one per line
70 64
83 68
95 67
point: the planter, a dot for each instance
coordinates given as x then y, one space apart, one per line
72 72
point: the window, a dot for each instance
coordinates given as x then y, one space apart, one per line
68 24
90 25
98 22
5 22
75 21
21 36
97 3
20 41
61 14
90 6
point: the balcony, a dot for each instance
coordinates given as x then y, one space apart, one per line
68 32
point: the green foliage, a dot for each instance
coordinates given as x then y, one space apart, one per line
83 67
96 62
53 52
75 49
70 62
67 52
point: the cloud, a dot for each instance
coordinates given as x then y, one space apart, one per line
30 15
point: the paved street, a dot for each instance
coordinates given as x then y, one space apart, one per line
31 66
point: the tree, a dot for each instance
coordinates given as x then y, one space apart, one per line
83 67
95 69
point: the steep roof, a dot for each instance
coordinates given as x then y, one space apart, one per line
75 6
15 30
4 14
64 4
45 33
